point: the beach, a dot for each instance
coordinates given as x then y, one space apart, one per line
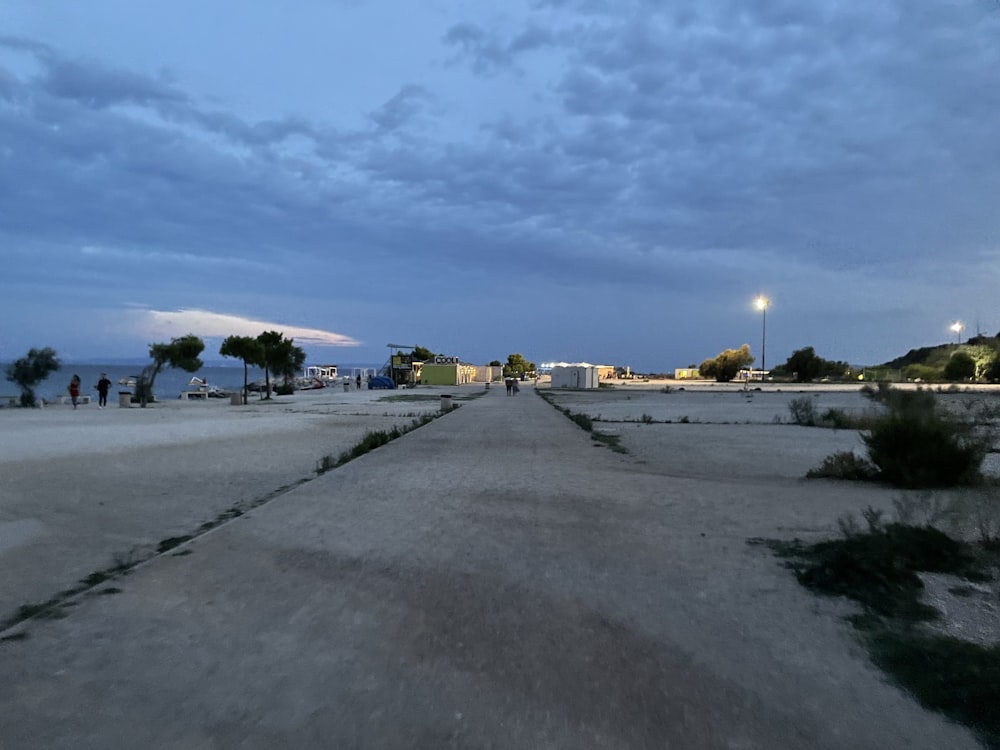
492 579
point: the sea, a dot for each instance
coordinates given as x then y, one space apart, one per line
168 385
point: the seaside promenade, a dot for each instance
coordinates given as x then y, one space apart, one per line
493 579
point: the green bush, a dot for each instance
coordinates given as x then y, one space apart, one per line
803 410
844 465
961 366
923 373
839 419
916 444
878 569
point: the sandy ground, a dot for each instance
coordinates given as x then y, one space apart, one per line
492 579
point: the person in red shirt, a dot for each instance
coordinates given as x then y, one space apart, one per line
74 389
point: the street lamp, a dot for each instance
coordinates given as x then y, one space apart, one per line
958 327
762 302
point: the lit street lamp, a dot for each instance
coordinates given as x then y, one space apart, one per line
762 302
958 327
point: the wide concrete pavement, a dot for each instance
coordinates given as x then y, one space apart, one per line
491 580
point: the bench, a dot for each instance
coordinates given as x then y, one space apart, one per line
10 400
81 399
185 395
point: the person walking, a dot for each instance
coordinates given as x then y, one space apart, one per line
74 389
359 381
103 385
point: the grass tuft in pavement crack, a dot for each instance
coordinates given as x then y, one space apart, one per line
370 442
586 423
169 543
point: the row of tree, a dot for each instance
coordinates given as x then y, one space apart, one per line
270 351
973 361
803 366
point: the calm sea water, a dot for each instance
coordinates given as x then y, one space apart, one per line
169 383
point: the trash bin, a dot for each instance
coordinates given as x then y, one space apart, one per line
487 386
347 386
236 399
445 402
124 399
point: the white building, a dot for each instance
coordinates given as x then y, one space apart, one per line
577 375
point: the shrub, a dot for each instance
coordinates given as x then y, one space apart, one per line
803 410
838 419
919 445
844 465
960 367
878 568
925 373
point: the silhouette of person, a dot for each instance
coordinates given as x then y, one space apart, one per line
102 390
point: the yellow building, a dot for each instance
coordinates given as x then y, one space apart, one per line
687 373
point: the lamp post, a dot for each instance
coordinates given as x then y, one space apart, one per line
762 302
958 327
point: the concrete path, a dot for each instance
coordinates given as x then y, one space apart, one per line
491 580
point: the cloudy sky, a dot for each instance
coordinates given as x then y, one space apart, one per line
604 180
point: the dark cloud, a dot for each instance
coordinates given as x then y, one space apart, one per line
402 108
626 147
98 86
483 49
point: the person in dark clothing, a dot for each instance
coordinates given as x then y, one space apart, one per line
103 385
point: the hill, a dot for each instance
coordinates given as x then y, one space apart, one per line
936 356
931 363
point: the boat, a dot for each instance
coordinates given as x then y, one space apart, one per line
309 384
209 391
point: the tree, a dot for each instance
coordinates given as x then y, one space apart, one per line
245 348
422 354
983 355
804 365
961 366
992 373
494 363
31 370
725 366
279 356
517 365
181 353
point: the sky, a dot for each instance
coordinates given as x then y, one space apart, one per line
611 181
